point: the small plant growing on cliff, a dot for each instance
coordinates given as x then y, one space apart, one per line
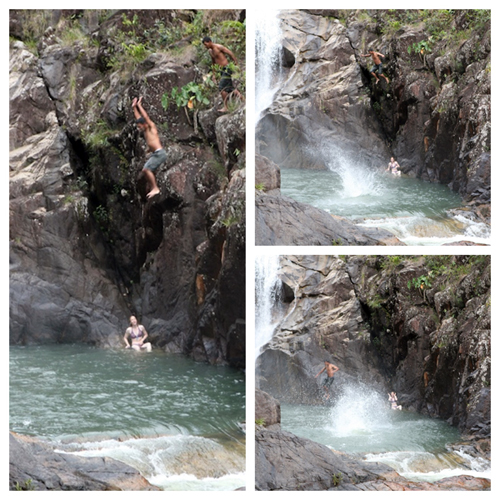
337 478
260 421
420 283
422 47
187 96
27 486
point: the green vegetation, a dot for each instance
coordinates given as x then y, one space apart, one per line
26 486
423 47
375 302
97 135
190 95
260 421
337 478
419 283
440 24
230 220
389 262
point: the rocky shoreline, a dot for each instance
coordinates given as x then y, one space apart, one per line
34 465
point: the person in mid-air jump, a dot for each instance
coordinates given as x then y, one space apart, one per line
150 133
377 64
330 369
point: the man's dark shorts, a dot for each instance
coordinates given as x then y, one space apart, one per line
328 382
377 68
156 159
226 83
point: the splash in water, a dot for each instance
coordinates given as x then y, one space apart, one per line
356 180
358 410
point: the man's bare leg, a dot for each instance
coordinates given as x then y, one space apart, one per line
224 95
150 177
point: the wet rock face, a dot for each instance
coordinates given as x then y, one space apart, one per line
434 116
418 326
35 466
87 248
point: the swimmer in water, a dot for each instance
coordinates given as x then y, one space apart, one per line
393 399
138 335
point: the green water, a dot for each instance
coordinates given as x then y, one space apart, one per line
414 211
150 410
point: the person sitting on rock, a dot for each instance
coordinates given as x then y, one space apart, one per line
377 64
393 167
218 54
331 369
150 133
394 401
138 335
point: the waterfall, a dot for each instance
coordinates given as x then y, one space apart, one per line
267 291
267 59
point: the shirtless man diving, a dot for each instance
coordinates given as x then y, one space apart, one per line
331 369
377 67
218 54
150 133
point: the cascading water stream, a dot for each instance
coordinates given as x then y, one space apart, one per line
267 290
267 59
176 421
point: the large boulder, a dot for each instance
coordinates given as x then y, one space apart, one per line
282 221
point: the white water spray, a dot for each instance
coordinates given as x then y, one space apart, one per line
357 180
267 289
358 410
267 59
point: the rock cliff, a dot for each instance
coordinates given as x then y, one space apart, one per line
87 249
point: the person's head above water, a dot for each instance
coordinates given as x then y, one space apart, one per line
133 320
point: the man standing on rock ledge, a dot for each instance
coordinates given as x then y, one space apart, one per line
331 369
218 54
150 132
377 68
